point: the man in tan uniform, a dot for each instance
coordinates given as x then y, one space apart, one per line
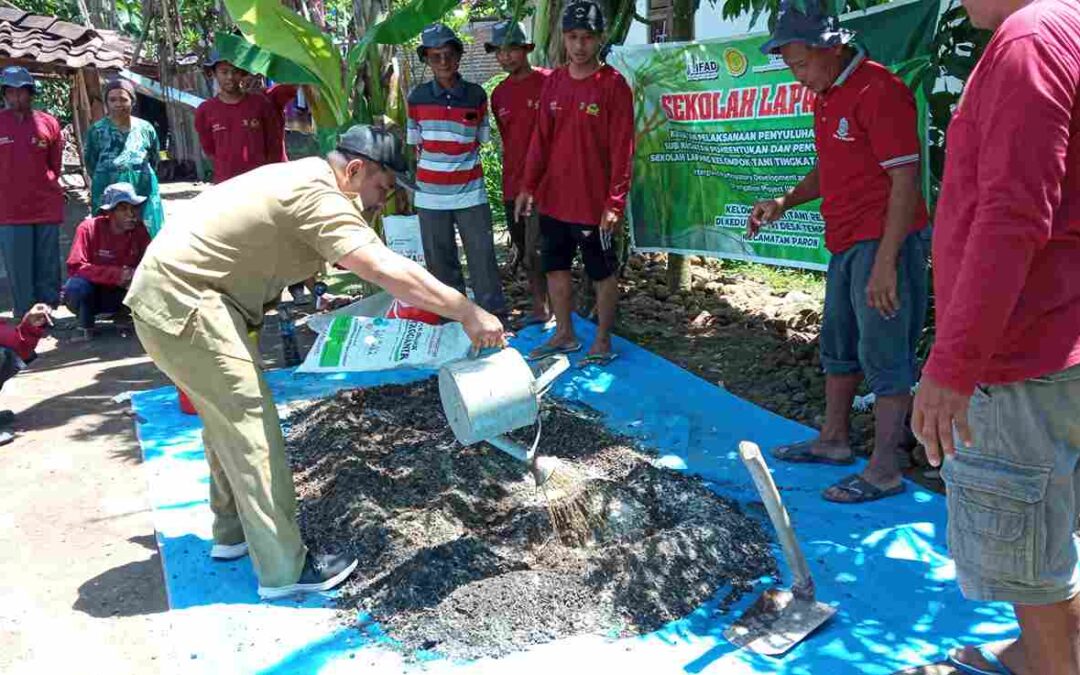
204 284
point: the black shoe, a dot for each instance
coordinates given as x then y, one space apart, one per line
320 573
7 418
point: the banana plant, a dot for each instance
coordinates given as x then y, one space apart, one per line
282 32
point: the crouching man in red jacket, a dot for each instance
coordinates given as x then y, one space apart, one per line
17 344
103 258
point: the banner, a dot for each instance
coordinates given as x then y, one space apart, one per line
719 125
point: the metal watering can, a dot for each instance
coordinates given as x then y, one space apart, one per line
488 395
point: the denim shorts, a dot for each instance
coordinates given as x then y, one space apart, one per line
1014 498
855 338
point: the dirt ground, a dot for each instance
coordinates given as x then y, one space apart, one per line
82 578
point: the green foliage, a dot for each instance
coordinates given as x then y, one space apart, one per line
67 10
957 48
491 156
734 9
54 97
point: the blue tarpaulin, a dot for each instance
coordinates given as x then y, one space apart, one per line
884 565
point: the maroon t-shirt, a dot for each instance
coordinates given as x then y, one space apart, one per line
31 156
514 104
1007 226
581 153
240 136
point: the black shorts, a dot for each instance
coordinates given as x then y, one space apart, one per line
559 241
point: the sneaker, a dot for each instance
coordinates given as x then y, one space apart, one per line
229 551
6 437
7 418
320 573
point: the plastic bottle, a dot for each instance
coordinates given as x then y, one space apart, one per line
290 351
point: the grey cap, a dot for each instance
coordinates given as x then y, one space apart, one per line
17 77
584 15
438 35
379 146
813 27
506 33
119 193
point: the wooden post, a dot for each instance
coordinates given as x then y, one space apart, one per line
673 20
80 118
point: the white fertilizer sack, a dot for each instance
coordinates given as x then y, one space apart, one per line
374 305
403 236
354 344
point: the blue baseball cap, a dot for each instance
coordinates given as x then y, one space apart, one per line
119 193
813 28
438 35
17 77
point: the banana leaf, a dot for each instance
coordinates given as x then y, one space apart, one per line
241 53
282 32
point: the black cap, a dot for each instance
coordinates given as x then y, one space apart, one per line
379 146
438 35
583 14
506 33
813 27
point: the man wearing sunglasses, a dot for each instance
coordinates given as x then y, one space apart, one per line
447 124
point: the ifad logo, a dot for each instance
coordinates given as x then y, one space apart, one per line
696 70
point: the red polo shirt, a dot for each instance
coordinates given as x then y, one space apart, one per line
100 255
864 125
1007 232
581 153
514 104
31 159
240 136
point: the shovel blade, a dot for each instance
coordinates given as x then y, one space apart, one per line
777 621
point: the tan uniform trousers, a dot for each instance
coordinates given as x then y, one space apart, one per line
251 488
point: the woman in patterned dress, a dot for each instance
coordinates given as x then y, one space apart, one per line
122 148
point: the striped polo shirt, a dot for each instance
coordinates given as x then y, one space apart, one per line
449 125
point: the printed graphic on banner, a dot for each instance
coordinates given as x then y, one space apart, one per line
719 126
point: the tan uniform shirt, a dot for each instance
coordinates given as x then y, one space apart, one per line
237 245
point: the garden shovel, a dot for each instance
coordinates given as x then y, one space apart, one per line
779 619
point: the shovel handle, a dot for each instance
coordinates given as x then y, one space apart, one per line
803 584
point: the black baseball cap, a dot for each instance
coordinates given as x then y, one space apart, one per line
812 27
583 14
379 146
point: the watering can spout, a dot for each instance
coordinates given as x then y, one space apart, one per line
554 366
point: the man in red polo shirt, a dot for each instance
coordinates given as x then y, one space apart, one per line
577 175
1004 373
31 199
237 130
867 175
514 104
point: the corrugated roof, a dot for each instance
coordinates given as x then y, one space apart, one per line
51 42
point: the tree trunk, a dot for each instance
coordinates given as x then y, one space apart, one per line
682 29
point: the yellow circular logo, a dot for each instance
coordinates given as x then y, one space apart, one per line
735 62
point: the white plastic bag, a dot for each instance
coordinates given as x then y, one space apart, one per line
402 234
355 344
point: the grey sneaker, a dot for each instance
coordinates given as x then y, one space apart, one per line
320 573
229 551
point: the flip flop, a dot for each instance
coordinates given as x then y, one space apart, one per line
988 656
862 490
600 360
544 351
800 453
